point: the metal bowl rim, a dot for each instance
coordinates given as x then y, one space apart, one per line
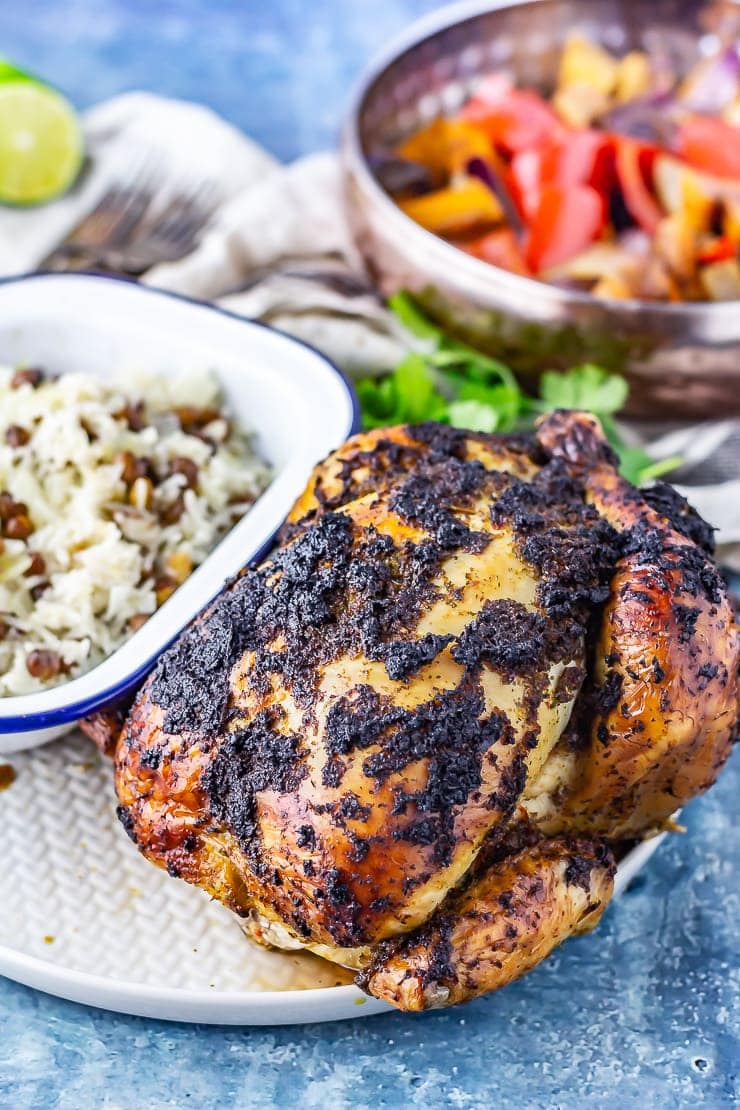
357 165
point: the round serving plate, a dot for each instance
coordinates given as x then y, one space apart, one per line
83 916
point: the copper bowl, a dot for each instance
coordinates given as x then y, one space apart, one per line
681 359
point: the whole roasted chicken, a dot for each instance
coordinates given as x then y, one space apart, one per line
410 741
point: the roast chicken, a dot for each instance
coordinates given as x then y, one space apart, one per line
413 739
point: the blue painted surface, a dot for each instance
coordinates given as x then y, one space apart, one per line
280 70
642 1013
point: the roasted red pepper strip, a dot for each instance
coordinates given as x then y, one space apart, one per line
521 121
581 158
634 162
711 145
524 180
567 220
499 248
717 250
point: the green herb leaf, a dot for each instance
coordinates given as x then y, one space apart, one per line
475 365
584 387
407 396
404 307
473 415
456 384
505 402
656 468
632 462
415 390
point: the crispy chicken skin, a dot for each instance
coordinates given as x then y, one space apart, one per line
664 708
104 727
371 462
401 742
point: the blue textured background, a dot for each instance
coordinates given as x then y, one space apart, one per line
642 1013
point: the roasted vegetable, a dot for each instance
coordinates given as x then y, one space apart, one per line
567 219
463 207
631 172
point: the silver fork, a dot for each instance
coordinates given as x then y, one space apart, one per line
133 227
109 224
169 230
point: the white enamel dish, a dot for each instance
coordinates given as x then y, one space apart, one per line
83 916
296 401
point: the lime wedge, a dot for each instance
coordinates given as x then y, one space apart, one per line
10 72
41 146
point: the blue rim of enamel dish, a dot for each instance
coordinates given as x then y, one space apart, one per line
115 692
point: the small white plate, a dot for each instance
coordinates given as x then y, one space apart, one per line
85 917
296 401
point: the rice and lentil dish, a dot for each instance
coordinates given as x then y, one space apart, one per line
110 495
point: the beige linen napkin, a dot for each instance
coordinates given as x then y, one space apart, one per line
278 249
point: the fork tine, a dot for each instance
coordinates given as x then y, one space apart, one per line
183 212
135 224
113 214
107 227
130 217
172 231
94 226
183 227
114 196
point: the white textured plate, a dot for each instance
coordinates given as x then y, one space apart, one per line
85 917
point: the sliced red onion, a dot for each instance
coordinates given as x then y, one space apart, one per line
489 175
714 83
672 51
651 117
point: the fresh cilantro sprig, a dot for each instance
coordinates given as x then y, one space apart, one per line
448 381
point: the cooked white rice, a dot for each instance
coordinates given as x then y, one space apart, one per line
110 550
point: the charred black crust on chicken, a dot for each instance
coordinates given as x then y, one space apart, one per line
680 514
352 586
254 758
